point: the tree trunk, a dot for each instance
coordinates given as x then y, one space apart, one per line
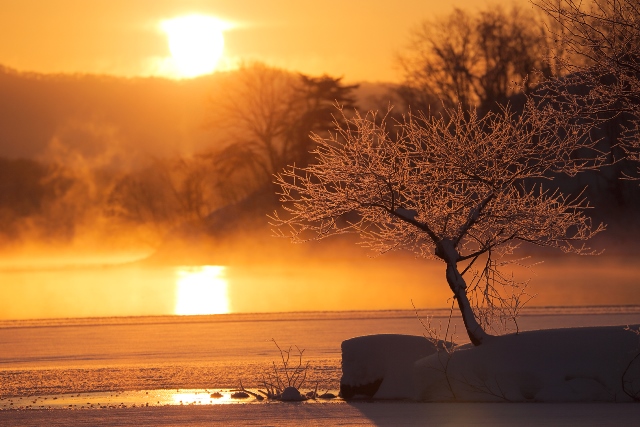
459 288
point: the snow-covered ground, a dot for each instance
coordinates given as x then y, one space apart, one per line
126 355
388 414
555 365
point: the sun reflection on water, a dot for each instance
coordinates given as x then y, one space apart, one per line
198 398
201 290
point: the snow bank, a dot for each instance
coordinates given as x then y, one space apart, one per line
556 365
381 366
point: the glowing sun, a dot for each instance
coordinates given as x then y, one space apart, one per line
201 290
196 43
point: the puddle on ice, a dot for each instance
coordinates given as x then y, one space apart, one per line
138 398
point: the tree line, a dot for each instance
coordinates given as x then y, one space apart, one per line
261 118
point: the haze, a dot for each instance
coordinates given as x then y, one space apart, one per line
137 156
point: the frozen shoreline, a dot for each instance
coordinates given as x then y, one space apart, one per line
396 414
137 353
42 358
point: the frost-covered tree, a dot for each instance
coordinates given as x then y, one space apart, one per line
461 189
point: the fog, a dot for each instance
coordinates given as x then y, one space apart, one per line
311 277
118 198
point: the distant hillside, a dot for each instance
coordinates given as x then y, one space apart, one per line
84 138
92 115
88 113
108 156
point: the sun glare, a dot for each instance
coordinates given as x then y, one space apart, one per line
196 43
198 397
201 290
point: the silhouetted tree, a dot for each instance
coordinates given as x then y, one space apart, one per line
269 114
319 96
27 188
460 189
165 194
605 84
477 60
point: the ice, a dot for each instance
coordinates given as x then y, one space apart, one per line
388 414
149 353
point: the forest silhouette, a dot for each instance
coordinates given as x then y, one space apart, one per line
152 161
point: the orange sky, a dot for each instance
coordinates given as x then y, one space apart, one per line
356 39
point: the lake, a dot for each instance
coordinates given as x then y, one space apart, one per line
134 370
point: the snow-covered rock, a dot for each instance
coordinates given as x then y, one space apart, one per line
557 365
381 366
291 394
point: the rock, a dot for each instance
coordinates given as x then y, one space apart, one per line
239 395
291 394
368 389
327 396
381 366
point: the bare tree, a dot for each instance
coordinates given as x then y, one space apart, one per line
440 62
476 60
168 193
256 106
461 189
269 114
605 83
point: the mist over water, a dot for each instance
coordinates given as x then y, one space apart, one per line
321 284
116 203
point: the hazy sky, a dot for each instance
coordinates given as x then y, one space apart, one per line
356 39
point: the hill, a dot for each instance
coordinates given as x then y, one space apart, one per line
92 114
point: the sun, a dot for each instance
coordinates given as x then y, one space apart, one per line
196 43
201 290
